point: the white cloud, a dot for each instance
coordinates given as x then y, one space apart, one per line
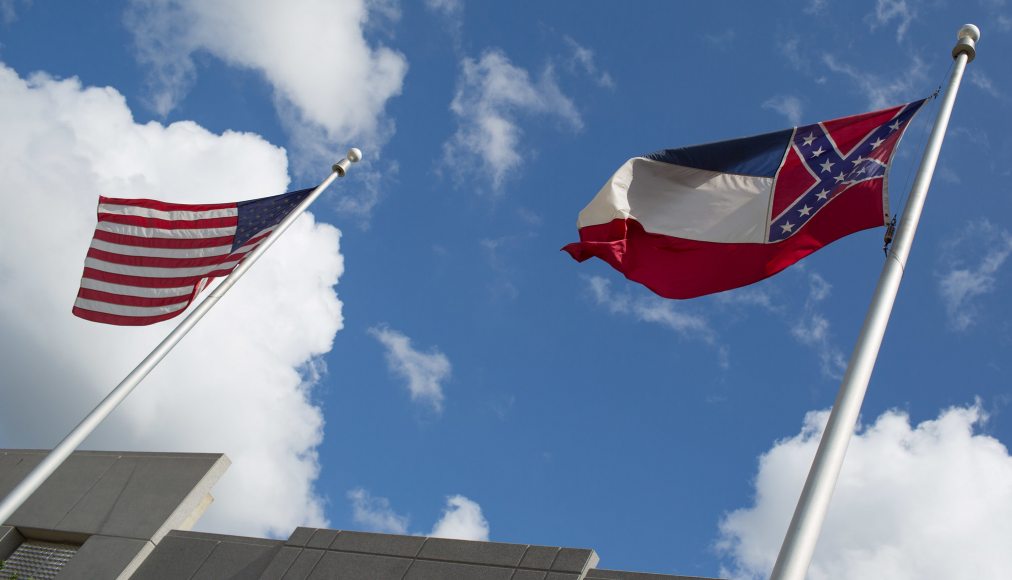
883 91
925 502
651 309
240 383
583 58
983 82
657 310
811 328
888 10
331 85
491 97
425 372
375 513
962 284
462 520
447 7
9 9
787 105
815 6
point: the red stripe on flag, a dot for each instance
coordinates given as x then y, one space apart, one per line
123 300
144 282
158 262
170 243
164 206
149 222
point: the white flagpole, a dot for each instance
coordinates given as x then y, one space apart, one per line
803 532
59 454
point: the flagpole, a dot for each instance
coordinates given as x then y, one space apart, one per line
59 454
803 533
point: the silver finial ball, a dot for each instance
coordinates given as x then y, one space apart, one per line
968 31
354 155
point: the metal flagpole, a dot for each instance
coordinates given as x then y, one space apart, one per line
59 454
803 532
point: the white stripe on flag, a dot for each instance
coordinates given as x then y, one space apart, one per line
149 272
189 233
684 202
120 310
136 291
160 252
166 215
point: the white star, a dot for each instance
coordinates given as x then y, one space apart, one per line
858 160
822 195
818 152
805 210
809 139
787 227
895 126
861 171
877 142
826 166
840 177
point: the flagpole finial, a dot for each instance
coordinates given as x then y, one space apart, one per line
341 167
968 36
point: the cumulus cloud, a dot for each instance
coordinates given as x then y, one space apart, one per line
880 90
331 85
811 328
931 501
240 383
491 98
375 513
962 284
425 372
787 105
461 520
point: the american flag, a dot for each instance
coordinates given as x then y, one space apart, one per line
149 259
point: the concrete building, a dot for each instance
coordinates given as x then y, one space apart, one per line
108 515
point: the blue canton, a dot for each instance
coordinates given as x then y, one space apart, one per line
257 215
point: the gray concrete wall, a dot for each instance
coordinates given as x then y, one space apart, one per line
116 506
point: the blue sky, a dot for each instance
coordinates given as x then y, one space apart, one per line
421 357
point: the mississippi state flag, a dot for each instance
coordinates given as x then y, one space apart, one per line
697 220
149 259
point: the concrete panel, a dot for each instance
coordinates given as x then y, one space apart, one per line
15 465
474 552
62 491
596 574
563 576
321 539
106 557
237 559
175 557
429 570
282 561
300 536
540 557
10 539
139 496
574 560
384 544
349 565
303 564
529 575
